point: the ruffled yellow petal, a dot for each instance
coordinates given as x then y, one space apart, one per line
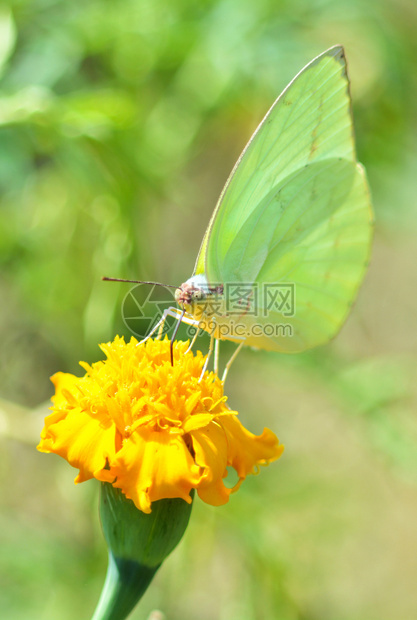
154 465
210 447
64 384
246 450
47 440
84 441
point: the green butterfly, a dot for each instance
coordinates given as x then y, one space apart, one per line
289 240
293 220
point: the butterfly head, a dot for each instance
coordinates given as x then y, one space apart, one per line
196 296
193 292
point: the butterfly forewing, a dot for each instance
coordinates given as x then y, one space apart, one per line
310 120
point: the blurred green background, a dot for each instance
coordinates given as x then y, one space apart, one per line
120 122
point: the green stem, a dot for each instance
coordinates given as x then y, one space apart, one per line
126 582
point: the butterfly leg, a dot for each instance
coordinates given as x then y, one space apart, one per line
231 360
153 330
171 346
161 325
210 351
216 356
192 343
171 311
168 312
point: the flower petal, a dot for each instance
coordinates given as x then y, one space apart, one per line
65 384
154 465
210 447
86 442
246 450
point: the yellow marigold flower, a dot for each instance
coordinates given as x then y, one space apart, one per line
151 429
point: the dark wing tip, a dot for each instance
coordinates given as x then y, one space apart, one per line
338 53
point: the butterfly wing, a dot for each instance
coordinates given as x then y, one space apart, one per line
296 212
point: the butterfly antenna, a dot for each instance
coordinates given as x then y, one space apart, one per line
171 346
137 282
